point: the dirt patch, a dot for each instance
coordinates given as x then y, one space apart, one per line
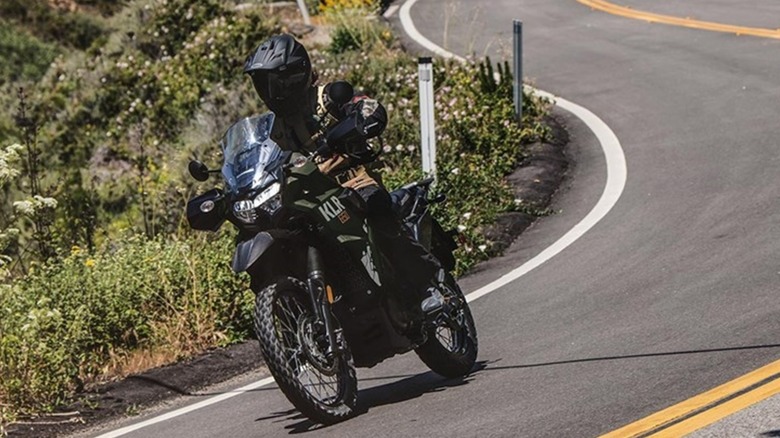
127 396
534 182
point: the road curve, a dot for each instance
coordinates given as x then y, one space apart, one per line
669 295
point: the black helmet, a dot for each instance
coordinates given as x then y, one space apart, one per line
281 73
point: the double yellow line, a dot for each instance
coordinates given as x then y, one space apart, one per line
706 408
717 403
624 11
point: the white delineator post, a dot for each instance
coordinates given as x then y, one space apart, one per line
427 128
304 12
518 69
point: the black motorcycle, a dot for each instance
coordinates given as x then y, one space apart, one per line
327 298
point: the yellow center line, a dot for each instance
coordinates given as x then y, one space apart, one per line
703 400
721 411
677 21
715 403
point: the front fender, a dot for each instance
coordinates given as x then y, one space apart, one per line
249 251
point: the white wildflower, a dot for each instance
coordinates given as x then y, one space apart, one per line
7 157
461 228
45 202
24 207
482 247
455 171
467 216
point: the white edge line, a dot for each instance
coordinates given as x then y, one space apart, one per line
617 172
411 30
616 180
188 409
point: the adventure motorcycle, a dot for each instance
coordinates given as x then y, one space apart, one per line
327 298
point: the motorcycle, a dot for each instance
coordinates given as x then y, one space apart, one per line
328 299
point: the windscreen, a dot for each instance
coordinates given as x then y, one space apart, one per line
251 157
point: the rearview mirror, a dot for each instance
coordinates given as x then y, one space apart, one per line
340 92
198 170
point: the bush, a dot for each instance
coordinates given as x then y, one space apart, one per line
24 57
120 111
356 29
70 29
70 322
327 5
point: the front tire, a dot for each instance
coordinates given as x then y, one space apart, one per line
451 346
323 389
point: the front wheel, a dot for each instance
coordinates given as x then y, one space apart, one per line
451 346
323 387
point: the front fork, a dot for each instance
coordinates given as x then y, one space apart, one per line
321 299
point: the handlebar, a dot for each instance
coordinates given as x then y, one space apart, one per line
422 183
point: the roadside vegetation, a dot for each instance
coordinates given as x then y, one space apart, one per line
99 275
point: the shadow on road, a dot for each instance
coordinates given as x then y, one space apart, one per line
489 366
413 386
408 388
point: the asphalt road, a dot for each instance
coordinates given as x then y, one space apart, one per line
672 293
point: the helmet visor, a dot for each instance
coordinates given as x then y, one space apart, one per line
274 86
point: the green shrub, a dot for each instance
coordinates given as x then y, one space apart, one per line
129 108
64 323
356 29
70 29
24 57
105 7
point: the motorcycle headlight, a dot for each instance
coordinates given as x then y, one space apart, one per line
269 200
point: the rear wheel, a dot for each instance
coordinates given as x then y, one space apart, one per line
323 387
451 345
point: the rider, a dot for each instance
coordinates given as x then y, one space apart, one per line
282 75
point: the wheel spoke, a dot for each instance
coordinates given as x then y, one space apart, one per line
298 345
326 385
444 335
